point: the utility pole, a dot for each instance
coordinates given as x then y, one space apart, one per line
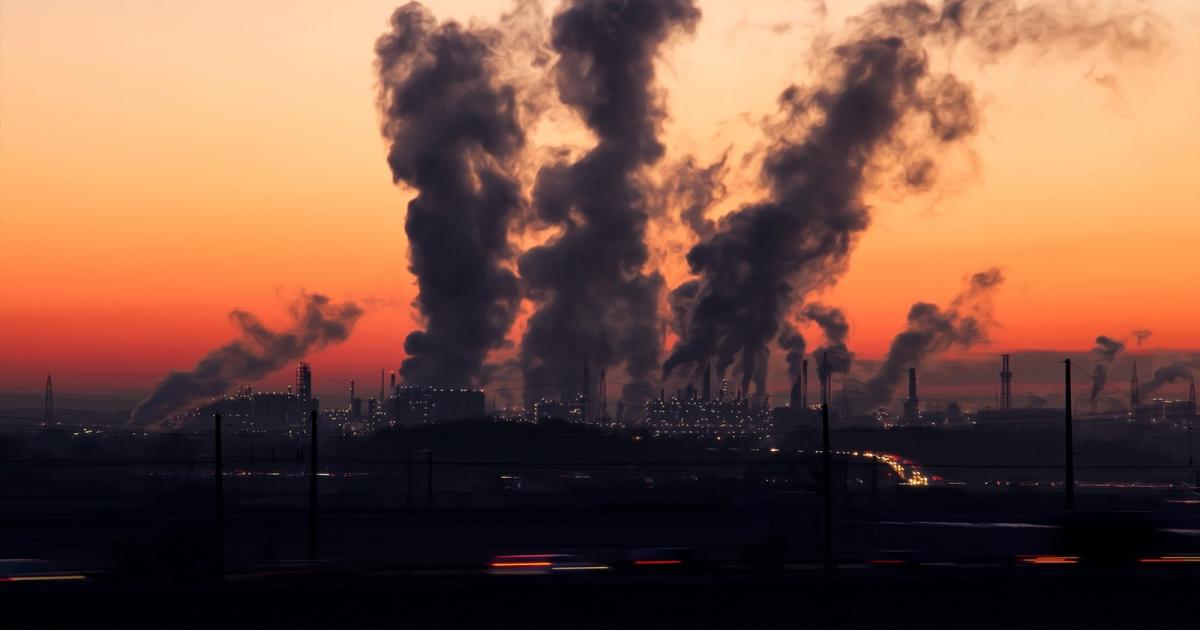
312 489
827 467
408 478
1070 438
1191 415
429 482
219 486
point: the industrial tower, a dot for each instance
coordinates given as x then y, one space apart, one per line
586 389
1135 397
804 383
912 404
603 395
708 381
1005 384
48 409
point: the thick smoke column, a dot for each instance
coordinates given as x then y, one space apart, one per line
1103 354
932 330
835 329
258 353
1139 336
453 133
877 110
1181 371
792 342
592 292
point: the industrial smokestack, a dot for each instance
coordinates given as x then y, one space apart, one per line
878 114
932 330
912 405
804 390
707 381
257 353
835 329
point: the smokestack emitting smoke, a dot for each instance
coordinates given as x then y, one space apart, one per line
932 330
1103 354
258 353
589 282
835 329
1140 336
454 133
877 108
792 342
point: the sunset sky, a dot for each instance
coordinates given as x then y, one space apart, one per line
164 162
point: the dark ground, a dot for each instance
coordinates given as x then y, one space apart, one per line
847 599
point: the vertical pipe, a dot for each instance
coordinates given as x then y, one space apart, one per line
219 487
1070 438
827 467
408 478
312 488
429 482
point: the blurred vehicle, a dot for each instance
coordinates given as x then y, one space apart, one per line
541 564
33 570
659 559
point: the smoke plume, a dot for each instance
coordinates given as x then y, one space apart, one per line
695 189
588 281
1181 371
833 357
453 132
877 114
932 330
258 352
792 342
1103 354
1141 335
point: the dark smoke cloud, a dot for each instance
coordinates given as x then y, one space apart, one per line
453 133
835 329
877 110
932 330
1103 354
696 189
792 342
258 353
1141 335
589 284
1181 371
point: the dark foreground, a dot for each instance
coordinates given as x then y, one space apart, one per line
851 598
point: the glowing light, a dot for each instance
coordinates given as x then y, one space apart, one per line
43 578
514 565
657 562
1050 559
1170 560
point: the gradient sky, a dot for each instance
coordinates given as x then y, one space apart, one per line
164 162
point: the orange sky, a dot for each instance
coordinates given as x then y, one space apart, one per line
162 163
